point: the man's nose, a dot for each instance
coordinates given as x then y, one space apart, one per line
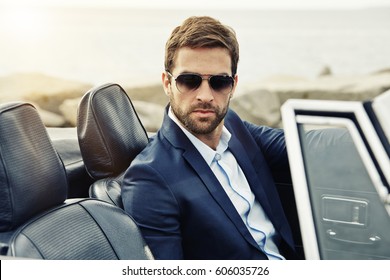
205 92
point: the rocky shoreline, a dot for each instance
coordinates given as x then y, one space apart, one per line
57 99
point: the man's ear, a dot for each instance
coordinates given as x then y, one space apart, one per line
234 87
166 83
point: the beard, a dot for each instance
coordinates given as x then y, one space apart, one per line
199 126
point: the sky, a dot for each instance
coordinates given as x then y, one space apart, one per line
207 4
22 25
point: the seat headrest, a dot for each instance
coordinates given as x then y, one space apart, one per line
109 130
32 176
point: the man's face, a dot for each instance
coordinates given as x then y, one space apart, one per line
202 110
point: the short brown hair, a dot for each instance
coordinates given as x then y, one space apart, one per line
197 32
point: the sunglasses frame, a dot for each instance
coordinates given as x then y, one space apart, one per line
202 77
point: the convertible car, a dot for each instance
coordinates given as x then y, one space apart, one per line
60 187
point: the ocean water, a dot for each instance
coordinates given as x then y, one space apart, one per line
127 45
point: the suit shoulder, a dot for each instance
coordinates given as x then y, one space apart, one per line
157 151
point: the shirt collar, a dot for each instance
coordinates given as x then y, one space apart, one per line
207 153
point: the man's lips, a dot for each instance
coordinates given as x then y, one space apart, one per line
203 112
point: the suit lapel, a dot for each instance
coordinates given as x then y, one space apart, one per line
178 139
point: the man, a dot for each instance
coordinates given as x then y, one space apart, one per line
203 188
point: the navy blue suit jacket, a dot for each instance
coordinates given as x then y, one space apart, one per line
181 208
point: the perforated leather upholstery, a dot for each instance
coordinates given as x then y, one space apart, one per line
81 229
32 177
109 130
33 205
110 136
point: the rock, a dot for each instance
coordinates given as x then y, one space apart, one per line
50 119
369 86
258 106
380 71
68 109
52 92
362 87
45 91
149 93
149 102
325 71
150 114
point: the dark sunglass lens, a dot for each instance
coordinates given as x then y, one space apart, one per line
187 82
221 83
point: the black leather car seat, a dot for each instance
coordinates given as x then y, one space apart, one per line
34 212
110 135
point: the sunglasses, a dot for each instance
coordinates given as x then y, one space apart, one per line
189 82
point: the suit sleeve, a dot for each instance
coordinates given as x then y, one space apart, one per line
148 199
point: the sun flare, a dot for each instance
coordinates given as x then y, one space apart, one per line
24 23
